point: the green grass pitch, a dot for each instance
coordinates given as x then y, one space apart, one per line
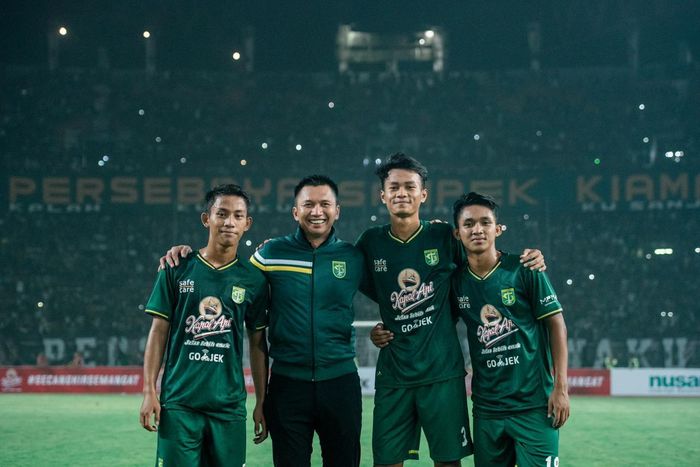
81 430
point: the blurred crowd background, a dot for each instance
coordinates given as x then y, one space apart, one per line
581 119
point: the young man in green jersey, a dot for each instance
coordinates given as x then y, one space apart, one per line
199 309
517 344
314 385
420 376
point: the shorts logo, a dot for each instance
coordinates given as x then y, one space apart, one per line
431 257
339 269
508 296
237 295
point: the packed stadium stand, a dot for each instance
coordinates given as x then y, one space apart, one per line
103 171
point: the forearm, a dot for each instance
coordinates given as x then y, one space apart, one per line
153 355
560 351
258 363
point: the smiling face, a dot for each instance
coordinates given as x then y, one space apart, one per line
316 209
227 220
477 229
403 193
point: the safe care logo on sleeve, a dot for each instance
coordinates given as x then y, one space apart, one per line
186 286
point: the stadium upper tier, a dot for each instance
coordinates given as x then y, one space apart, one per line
102 172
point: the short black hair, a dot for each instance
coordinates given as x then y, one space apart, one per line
400 160
471 199
228 189
316 180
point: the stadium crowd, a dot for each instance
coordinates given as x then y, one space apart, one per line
87 273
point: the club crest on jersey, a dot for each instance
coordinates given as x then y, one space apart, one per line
431 257
237 295
339 269
508 296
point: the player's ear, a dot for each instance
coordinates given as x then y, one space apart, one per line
295 213
205 219
337 211
455 232
499 230
381 196
248 223
423 194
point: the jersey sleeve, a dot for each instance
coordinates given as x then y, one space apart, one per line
161 303
544 300
366 283
256 317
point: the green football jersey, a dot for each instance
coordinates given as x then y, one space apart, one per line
410 280
207 308
508 338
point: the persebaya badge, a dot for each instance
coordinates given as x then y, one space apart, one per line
339 269
431 257
238 295
508 296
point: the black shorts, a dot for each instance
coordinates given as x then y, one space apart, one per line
294 409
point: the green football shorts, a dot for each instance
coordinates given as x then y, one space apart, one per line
439 408
526 439
193 438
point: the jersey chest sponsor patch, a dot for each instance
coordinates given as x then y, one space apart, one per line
412 293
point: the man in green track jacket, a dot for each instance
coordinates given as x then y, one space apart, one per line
314 385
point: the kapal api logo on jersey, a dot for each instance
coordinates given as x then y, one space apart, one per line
508 296
237 294
211 320
413 292
339 269
432 257
495 327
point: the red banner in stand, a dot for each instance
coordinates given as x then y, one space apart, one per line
99 379
582 381
589 382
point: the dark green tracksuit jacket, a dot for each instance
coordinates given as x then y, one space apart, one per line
311 314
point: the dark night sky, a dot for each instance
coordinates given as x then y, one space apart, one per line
300 35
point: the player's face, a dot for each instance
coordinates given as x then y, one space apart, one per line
477 229
316 209
403 193
227 220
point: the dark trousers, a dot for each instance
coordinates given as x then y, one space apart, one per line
294 409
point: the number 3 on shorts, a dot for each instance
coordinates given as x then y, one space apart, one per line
549 461
465 441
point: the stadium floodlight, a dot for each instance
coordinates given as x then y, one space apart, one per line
569 281
158 139
63 30
429 33
264 145
331 104
642 107
146 34
645 139
591 276
669 154
697 249
377 161
248 243
142 112
421 41
236 56
40 304
663 251
477 137
298 147
244 162
183 160
373 218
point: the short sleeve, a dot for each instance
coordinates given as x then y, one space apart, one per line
161 303
544 299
